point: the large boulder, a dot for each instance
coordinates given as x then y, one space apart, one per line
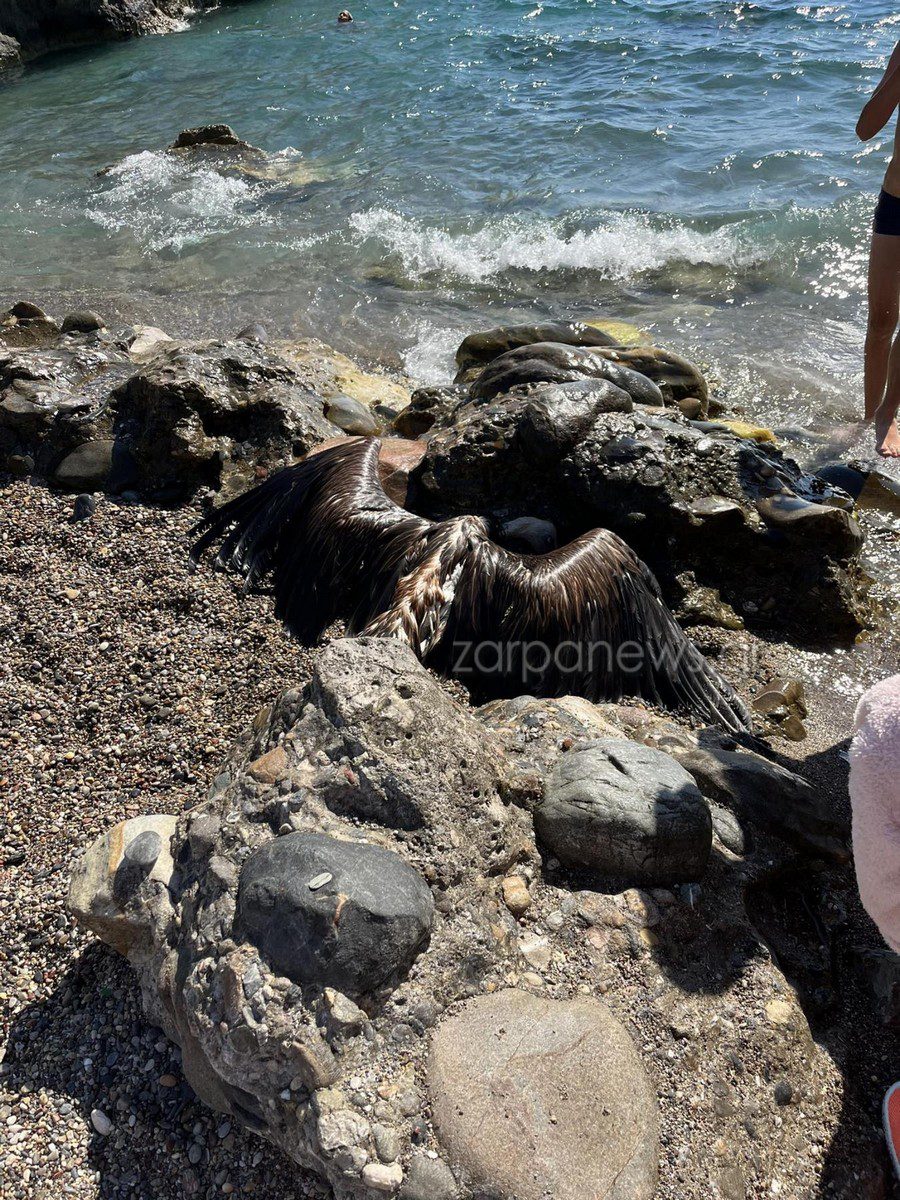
737 515
536 1098
625 812
299 930
198 413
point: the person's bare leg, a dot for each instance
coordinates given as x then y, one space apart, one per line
887 435
884 304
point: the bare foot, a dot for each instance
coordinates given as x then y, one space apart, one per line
887 436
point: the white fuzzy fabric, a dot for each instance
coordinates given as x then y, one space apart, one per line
875 796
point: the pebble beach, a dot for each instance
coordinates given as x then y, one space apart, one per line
124 680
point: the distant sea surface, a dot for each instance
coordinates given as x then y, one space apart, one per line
686 164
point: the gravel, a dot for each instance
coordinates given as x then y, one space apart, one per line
123 680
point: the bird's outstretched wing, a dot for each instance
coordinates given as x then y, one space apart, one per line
587 619
324 531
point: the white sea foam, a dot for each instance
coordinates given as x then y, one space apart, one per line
168 205
620 247
430 359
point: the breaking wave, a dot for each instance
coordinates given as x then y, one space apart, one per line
623 246
168 205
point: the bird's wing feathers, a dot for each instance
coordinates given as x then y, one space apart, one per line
324 530
585 619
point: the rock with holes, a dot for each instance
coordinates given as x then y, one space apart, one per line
625 812
299 930
200 413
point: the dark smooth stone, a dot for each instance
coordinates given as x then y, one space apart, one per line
345 915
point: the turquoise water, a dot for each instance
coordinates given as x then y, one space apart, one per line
688 164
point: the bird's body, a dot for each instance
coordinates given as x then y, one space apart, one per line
587 618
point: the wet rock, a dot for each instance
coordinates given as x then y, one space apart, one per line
210 135
429 406
534 1097
10 52
351 416
625 811
478 349
550 362
838 533
43 26
82 321
676 377
88 466
198 414
348 915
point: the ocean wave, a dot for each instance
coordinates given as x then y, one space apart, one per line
621 246
167 205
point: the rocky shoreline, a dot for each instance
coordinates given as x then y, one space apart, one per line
446 1042
33 28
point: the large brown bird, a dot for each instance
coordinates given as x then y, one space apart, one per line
586 619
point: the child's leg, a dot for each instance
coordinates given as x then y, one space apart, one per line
884 303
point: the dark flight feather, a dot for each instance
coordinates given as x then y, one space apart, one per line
586 619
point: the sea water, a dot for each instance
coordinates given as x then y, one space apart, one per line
689 165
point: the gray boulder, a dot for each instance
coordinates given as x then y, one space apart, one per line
200 413
352 416
536 1098
625 811
332 912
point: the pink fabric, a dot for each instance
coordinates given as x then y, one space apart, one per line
875 796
